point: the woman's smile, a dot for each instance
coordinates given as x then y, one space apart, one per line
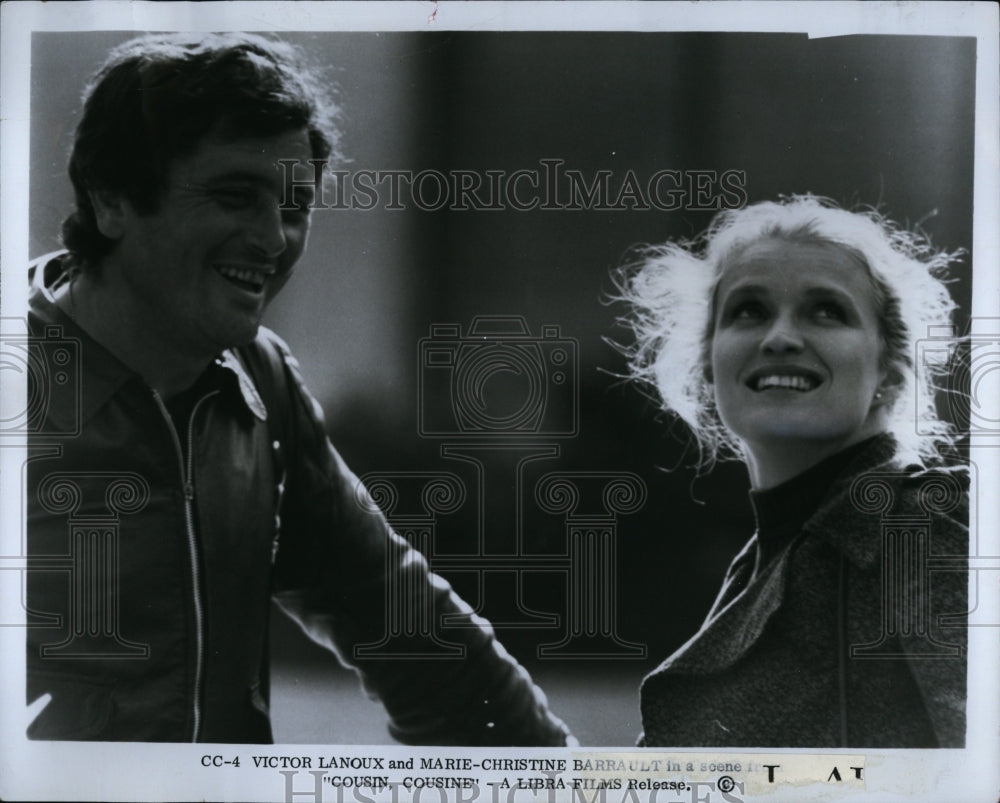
784 377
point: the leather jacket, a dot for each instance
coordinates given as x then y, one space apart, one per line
158 537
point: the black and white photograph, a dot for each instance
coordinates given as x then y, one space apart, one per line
499 402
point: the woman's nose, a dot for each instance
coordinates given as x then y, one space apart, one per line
783 336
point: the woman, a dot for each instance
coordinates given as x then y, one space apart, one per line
785 336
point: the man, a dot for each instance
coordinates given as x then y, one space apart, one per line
191 476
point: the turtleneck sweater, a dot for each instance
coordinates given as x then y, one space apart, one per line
780 512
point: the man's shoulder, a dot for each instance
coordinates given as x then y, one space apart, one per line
267 359
276 373
44 273
48 269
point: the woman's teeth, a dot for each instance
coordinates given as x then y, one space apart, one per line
783 381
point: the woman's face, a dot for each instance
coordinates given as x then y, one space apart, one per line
796 348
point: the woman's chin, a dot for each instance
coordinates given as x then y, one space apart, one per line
803 437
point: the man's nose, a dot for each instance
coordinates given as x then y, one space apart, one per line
783 336
267 234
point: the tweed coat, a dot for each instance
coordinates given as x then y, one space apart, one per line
852 636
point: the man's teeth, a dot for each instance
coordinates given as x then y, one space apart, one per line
245 275
784 381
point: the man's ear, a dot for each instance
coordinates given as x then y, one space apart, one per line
109 212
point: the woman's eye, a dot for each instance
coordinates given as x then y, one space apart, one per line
748 311
831 312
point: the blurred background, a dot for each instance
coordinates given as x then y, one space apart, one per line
878 120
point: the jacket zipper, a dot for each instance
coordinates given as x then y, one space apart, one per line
187 481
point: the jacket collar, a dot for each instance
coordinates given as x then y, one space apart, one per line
99 374
841 520
853 532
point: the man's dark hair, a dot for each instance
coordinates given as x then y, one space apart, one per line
155 99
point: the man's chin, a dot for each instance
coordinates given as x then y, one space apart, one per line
237 337
248 337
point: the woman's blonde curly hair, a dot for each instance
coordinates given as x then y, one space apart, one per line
671 292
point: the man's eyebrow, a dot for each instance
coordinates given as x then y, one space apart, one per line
249 177
244 176
253 179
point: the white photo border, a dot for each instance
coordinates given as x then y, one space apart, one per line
77 771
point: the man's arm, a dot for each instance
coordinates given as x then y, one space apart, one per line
338 561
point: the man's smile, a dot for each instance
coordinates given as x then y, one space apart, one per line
246 278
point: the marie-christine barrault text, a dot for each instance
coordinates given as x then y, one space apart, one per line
479 778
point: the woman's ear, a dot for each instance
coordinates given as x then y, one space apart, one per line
890 382
888 390
109 213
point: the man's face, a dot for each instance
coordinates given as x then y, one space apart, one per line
202 269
